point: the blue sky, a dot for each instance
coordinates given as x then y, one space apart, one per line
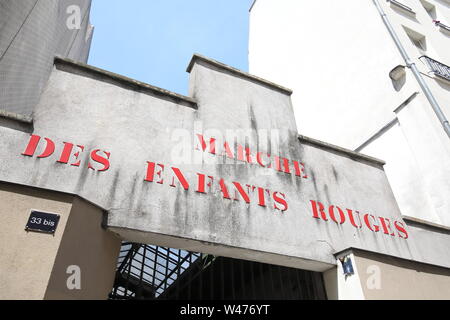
153 40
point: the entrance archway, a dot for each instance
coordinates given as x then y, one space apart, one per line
159 273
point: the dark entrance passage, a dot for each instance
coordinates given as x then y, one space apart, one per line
151 272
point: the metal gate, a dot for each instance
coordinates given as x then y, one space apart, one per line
152 272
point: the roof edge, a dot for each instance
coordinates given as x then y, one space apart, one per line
347 152
60 63
425 223
358 251
197 57
16 117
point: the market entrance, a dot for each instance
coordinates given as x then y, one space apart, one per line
158 273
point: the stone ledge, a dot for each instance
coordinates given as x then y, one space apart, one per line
360 251
351 154
421 222
15 117
197 57
68 65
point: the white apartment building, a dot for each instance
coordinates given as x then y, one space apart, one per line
354 88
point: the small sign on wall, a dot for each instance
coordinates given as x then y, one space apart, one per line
42 222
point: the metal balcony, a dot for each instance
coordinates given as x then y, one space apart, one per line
439 69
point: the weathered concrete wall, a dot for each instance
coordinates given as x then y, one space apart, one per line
34 265
91 248
137 124
400 279
32 32
27 258
382 277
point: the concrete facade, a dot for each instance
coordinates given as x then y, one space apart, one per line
97 110
222 171
32 32
72 110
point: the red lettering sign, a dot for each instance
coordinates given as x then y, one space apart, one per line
246 155
99 160
371 222
67 153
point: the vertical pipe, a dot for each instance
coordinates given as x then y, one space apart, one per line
410 64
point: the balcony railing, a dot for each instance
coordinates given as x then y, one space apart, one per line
439 69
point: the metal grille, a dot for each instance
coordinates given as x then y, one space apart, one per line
145 272
151 272
438 68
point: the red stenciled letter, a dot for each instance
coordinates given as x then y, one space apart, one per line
99 159
386 225
317 208
244 154
333 216
224 189
212 144
262 196
260 161
282 167
241 191
33 143
352 219
227 150
67 152
151 172
300 170
374 228
401 228
280 200
201 183
180 178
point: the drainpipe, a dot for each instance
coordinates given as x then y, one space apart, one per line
411 65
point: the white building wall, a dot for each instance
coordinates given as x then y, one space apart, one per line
337 57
